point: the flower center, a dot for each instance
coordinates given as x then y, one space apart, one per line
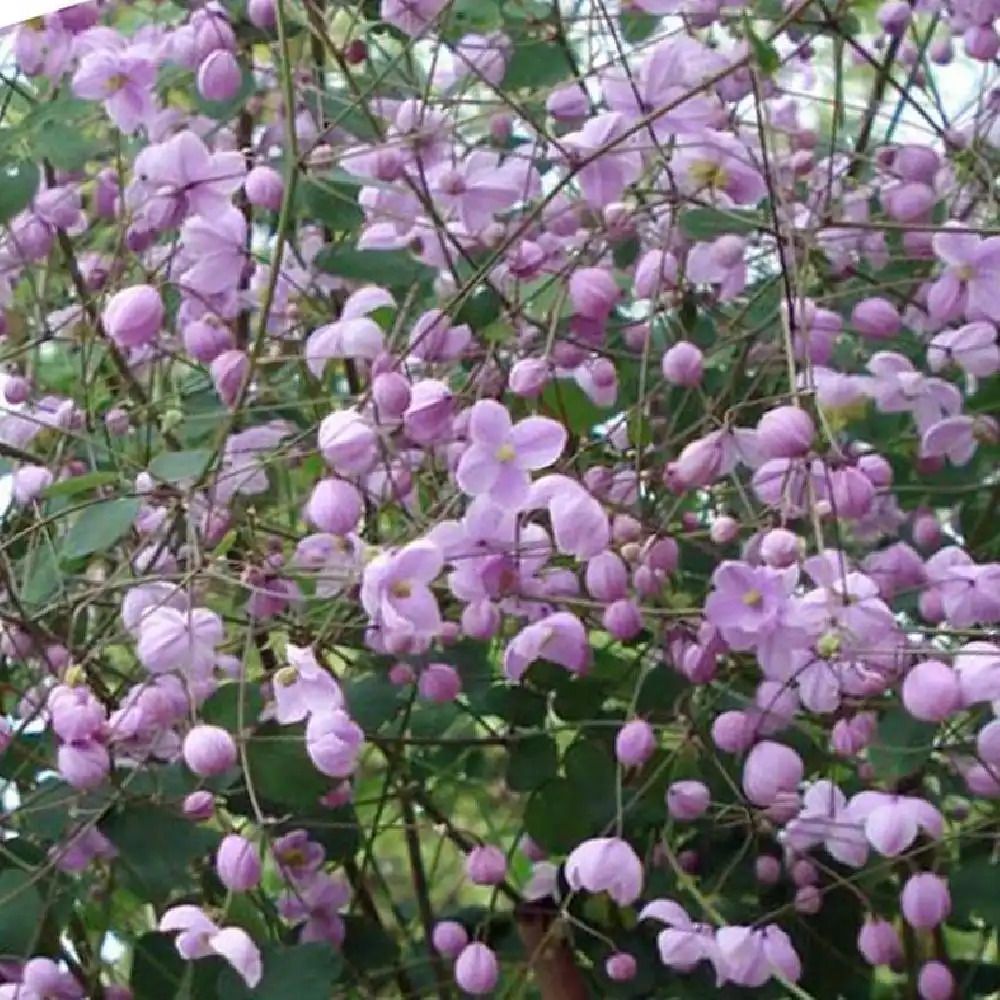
753 598
506 453
293 857
828 645
965 272
705 173
286 676
401 589
117 82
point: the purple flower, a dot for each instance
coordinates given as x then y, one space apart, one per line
925 901
477 189
611 162
688 800
932 691
333 742
719 163
893 822
683 944
449 937
209 750
347 442
395 590
198 937
216 247
771 772
180 640
635 743
134 316
969 281
973 348
124 81
303 687
237 864
412 17
606 864
747 604
486 865
560 638
501 455
879 943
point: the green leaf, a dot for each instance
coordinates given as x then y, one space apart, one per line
569 404
81 484
180 466
901 747
19 180
99 526
536 64
21 912
392 268
973 891
40 574
333 203
637 25
279 769
57 132
532 761
553 817
303 972
708 223
156 849
765 54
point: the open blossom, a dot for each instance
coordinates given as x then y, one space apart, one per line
303 687
170 639
412 17
198 938
395 590
606 864
560 638
216 246
972 347
501 455
749 604
967 285
125 81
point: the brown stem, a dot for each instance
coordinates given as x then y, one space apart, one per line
550 956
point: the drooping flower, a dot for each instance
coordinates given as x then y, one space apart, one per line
303 687
606 864
199 937
967 286
123 80
560 638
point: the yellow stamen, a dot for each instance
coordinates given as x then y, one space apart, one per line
401 589
753 598
506 453
705 173
286 676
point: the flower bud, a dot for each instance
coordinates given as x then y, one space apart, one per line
785 432
486 865
770 772
683 364
606 577
593 293
931 691
879 943
687 800
620 967
237 864
134 316
635 743
767 869
449 937
477 969
265 188
724 529
622 620
335 506
935 981
876 318
439 683
219 76
199 806
391 393
925 901
262 14
209 751
780 548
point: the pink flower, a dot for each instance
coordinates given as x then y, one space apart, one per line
683 364
719 163
683 944
501 456
209 751
972 347
486 865
893 822
237 864
134 316
612 163
347 442
199 938
559 638
395 590
925 901
216 245
219 76
606 864
635 743
969 281
229 371
476 189
303 687
333 742
449 937
879 943
124 81
932 691
957 438
785 432
688 800
186 641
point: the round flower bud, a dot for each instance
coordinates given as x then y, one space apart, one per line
770 772
199 806
879 943
925 901
237 864
931 691
593 293
134 316
767 869
16 390
622 620
876 318
262 14
477 969
439 683
334 506
780 548
391 393
724 529
935 981
449 937
683 364
733 732
219 76
688 800
486 865
620 967
785 432
635 743
265 188
209 751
